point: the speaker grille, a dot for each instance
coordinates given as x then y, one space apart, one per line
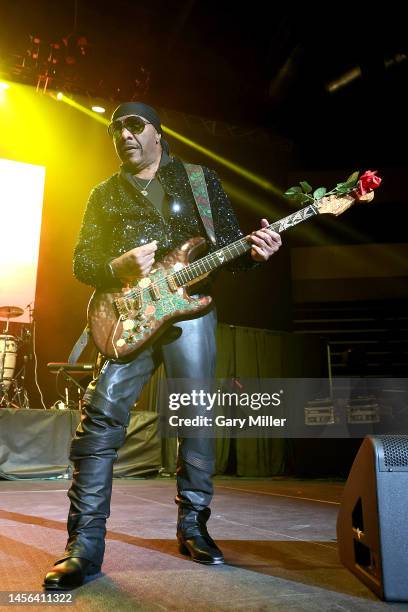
395 451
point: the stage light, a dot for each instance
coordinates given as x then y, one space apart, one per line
98 109
60 95
343 80
83 109
240 170
358 72
247 174
3 88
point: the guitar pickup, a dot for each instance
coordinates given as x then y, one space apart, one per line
138 301
172 283
154 292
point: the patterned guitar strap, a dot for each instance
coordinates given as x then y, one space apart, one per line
196 177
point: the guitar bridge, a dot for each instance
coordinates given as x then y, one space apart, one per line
126 306
121 307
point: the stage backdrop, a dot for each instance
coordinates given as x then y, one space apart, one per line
21 201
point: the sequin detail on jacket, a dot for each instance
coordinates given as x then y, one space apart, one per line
119 218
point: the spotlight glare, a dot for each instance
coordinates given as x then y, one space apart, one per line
96 113
4 86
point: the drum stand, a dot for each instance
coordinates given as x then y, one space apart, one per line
14 395
5 402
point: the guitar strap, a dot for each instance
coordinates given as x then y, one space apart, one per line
79 346
196 177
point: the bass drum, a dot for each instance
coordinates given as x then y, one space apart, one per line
8 359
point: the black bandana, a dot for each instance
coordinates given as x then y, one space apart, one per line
142 110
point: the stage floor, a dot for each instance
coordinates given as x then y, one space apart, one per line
278 537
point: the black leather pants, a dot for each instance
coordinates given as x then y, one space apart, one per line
101 432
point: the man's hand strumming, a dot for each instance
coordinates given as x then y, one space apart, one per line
135 264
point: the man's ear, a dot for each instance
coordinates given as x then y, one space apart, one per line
158 137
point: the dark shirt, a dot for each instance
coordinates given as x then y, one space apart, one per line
155 190
119 218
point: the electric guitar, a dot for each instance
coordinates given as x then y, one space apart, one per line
124 322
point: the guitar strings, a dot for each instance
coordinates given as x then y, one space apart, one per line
193 266
136 292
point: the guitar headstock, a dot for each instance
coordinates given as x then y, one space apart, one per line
338 204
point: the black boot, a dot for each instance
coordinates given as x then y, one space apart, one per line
69 574
101 432
193 537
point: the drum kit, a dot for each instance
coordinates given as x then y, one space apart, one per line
12 391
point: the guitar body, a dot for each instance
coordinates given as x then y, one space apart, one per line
124 322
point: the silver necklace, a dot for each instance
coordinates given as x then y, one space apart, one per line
144 190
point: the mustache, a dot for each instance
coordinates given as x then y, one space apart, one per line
129 145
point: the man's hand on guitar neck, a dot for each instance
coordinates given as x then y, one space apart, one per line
134 264
265 242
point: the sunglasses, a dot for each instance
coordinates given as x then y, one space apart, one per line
135 125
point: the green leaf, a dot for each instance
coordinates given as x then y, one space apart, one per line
303 197
339 186
319 193
299 198
292 191
353 178
344 189
306 187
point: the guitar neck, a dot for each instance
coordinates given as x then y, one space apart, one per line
218 258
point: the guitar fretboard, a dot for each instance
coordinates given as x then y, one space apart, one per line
235 249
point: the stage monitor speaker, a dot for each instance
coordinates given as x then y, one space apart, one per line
372 525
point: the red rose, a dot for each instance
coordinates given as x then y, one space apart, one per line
368 181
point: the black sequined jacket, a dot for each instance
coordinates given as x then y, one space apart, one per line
118 218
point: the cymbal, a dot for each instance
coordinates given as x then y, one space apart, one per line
10 312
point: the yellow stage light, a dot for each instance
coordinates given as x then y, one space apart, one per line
98 109
82 108
3 87
251 176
